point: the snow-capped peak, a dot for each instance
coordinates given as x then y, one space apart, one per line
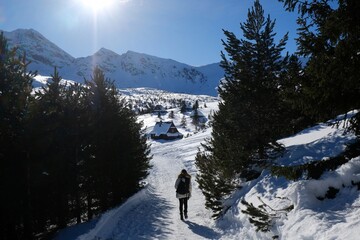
130 69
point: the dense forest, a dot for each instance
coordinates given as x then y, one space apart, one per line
266 96
68 152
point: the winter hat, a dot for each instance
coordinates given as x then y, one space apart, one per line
183 171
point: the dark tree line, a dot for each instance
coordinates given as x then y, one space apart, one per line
329 36
68 152
265 96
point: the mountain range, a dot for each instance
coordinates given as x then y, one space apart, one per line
128 70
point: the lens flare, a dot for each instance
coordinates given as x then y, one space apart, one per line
97 5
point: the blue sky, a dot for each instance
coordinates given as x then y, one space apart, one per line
188 31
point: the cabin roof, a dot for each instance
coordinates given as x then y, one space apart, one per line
163 128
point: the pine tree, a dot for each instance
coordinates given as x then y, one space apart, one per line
118 146
329 34
251 87
49 138
196 105
57 132
183 107
15 165
195 117
76 124
183 121
292 95
249 120
103 130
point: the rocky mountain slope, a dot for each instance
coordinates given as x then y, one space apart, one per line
128 70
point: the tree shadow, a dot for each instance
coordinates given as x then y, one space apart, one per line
202 231
147 218
146 215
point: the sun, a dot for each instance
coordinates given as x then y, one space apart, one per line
97 5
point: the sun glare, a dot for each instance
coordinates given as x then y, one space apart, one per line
97 5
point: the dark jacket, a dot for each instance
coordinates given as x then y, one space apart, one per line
183 186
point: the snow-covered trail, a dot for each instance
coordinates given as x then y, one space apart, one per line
169 159
153 212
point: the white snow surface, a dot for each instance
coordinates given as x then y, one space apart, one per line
153 212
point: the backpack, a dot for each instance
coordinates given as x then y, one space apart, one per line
183 187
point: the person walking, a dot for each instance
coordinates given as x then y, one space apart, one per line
183 192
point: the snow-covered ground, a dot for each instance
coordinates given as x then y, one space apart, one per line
153 212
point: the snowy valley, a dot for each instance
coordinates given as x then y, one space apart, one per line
152 213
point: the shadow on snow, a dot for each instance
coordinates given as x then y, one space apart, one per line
202 231
148 218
